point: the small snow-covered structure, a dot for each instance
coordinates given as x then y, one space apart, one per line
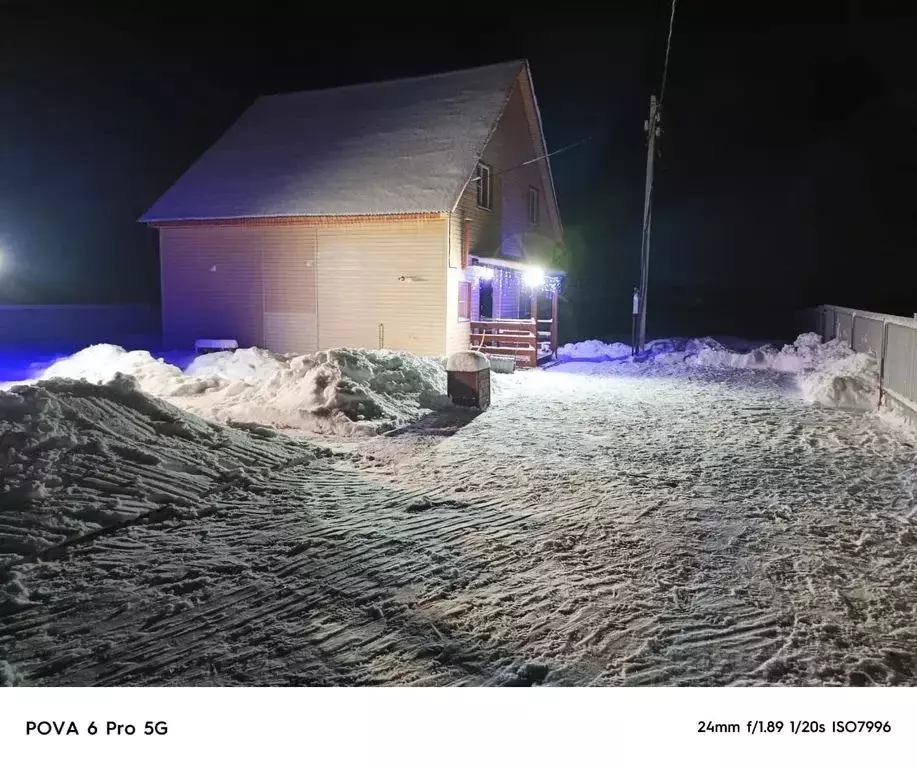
468 379
364 217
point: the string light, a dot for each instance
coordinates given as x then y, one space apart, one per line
479 273
553 284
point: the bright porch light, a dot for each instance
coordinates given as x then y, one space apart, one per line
534 277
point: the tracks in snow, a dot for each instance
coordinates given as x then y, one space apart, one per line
641 530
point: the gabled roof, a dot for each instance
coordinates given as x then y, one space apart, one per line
399 146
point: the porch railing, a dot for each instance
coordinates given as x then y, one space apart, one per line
512 338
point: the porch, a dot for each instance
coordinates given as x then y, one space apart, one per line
513 309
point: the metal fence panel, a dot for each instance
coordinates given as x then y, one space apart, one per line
844 323
891 339
900 371
867 335
22 324
829 330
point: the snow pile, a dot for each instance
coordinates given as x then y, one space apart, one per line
101 363
674 350
850 382
343 391
339 391
829 373
805 354
593 349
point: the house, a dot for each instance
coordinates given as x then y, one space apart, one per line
401 214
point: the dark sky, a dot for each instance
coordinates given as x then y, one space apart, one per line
785 177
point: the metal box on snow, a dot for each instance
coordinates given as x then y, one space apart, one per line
468 379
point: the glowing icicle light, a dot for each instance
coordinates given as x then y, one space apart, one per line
553 283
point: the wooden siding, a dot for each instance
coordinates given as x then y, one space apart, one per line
290 301
211 285
458 332
515 143
359 285
503 230
252 283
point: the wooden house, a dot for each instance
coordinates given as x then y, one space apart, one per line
408 214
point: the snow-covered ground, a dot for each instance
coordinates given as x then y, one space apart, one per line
667 522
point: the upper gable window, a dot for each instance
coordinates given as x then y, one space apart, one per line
533 205
485 186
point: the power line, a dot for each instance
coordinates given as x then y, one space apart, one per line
668 48
550 154
536 159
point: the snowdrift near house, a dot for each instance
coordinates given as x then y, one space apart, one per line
101 363
339 391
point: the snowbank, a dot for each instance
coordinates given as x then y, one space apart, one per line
661 350
805 354
829 374
851 382
593 349
339 391
100 363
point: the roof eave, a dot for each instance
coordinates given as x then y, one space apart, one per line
279 217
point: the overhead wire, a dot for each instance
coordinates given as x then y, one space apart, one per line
668 48
536 159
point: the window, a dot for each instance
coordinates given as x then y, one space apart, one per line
464 300
533 205
485 186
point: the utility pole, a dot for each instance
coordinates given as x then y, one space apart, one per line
652 131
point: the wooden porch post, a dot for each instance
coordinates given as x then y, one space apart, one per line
535 327
554 324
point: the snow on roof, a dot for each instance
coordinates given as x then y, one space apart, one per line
399 146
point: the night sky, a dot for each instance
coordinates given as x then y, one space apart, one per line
785 179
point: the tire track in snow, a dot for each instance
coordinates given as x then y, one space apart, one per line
690 531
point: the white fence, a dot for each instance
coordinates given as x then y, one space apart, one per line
22 324
891 339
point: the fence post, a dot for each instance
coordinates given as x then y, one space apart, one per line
882 361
